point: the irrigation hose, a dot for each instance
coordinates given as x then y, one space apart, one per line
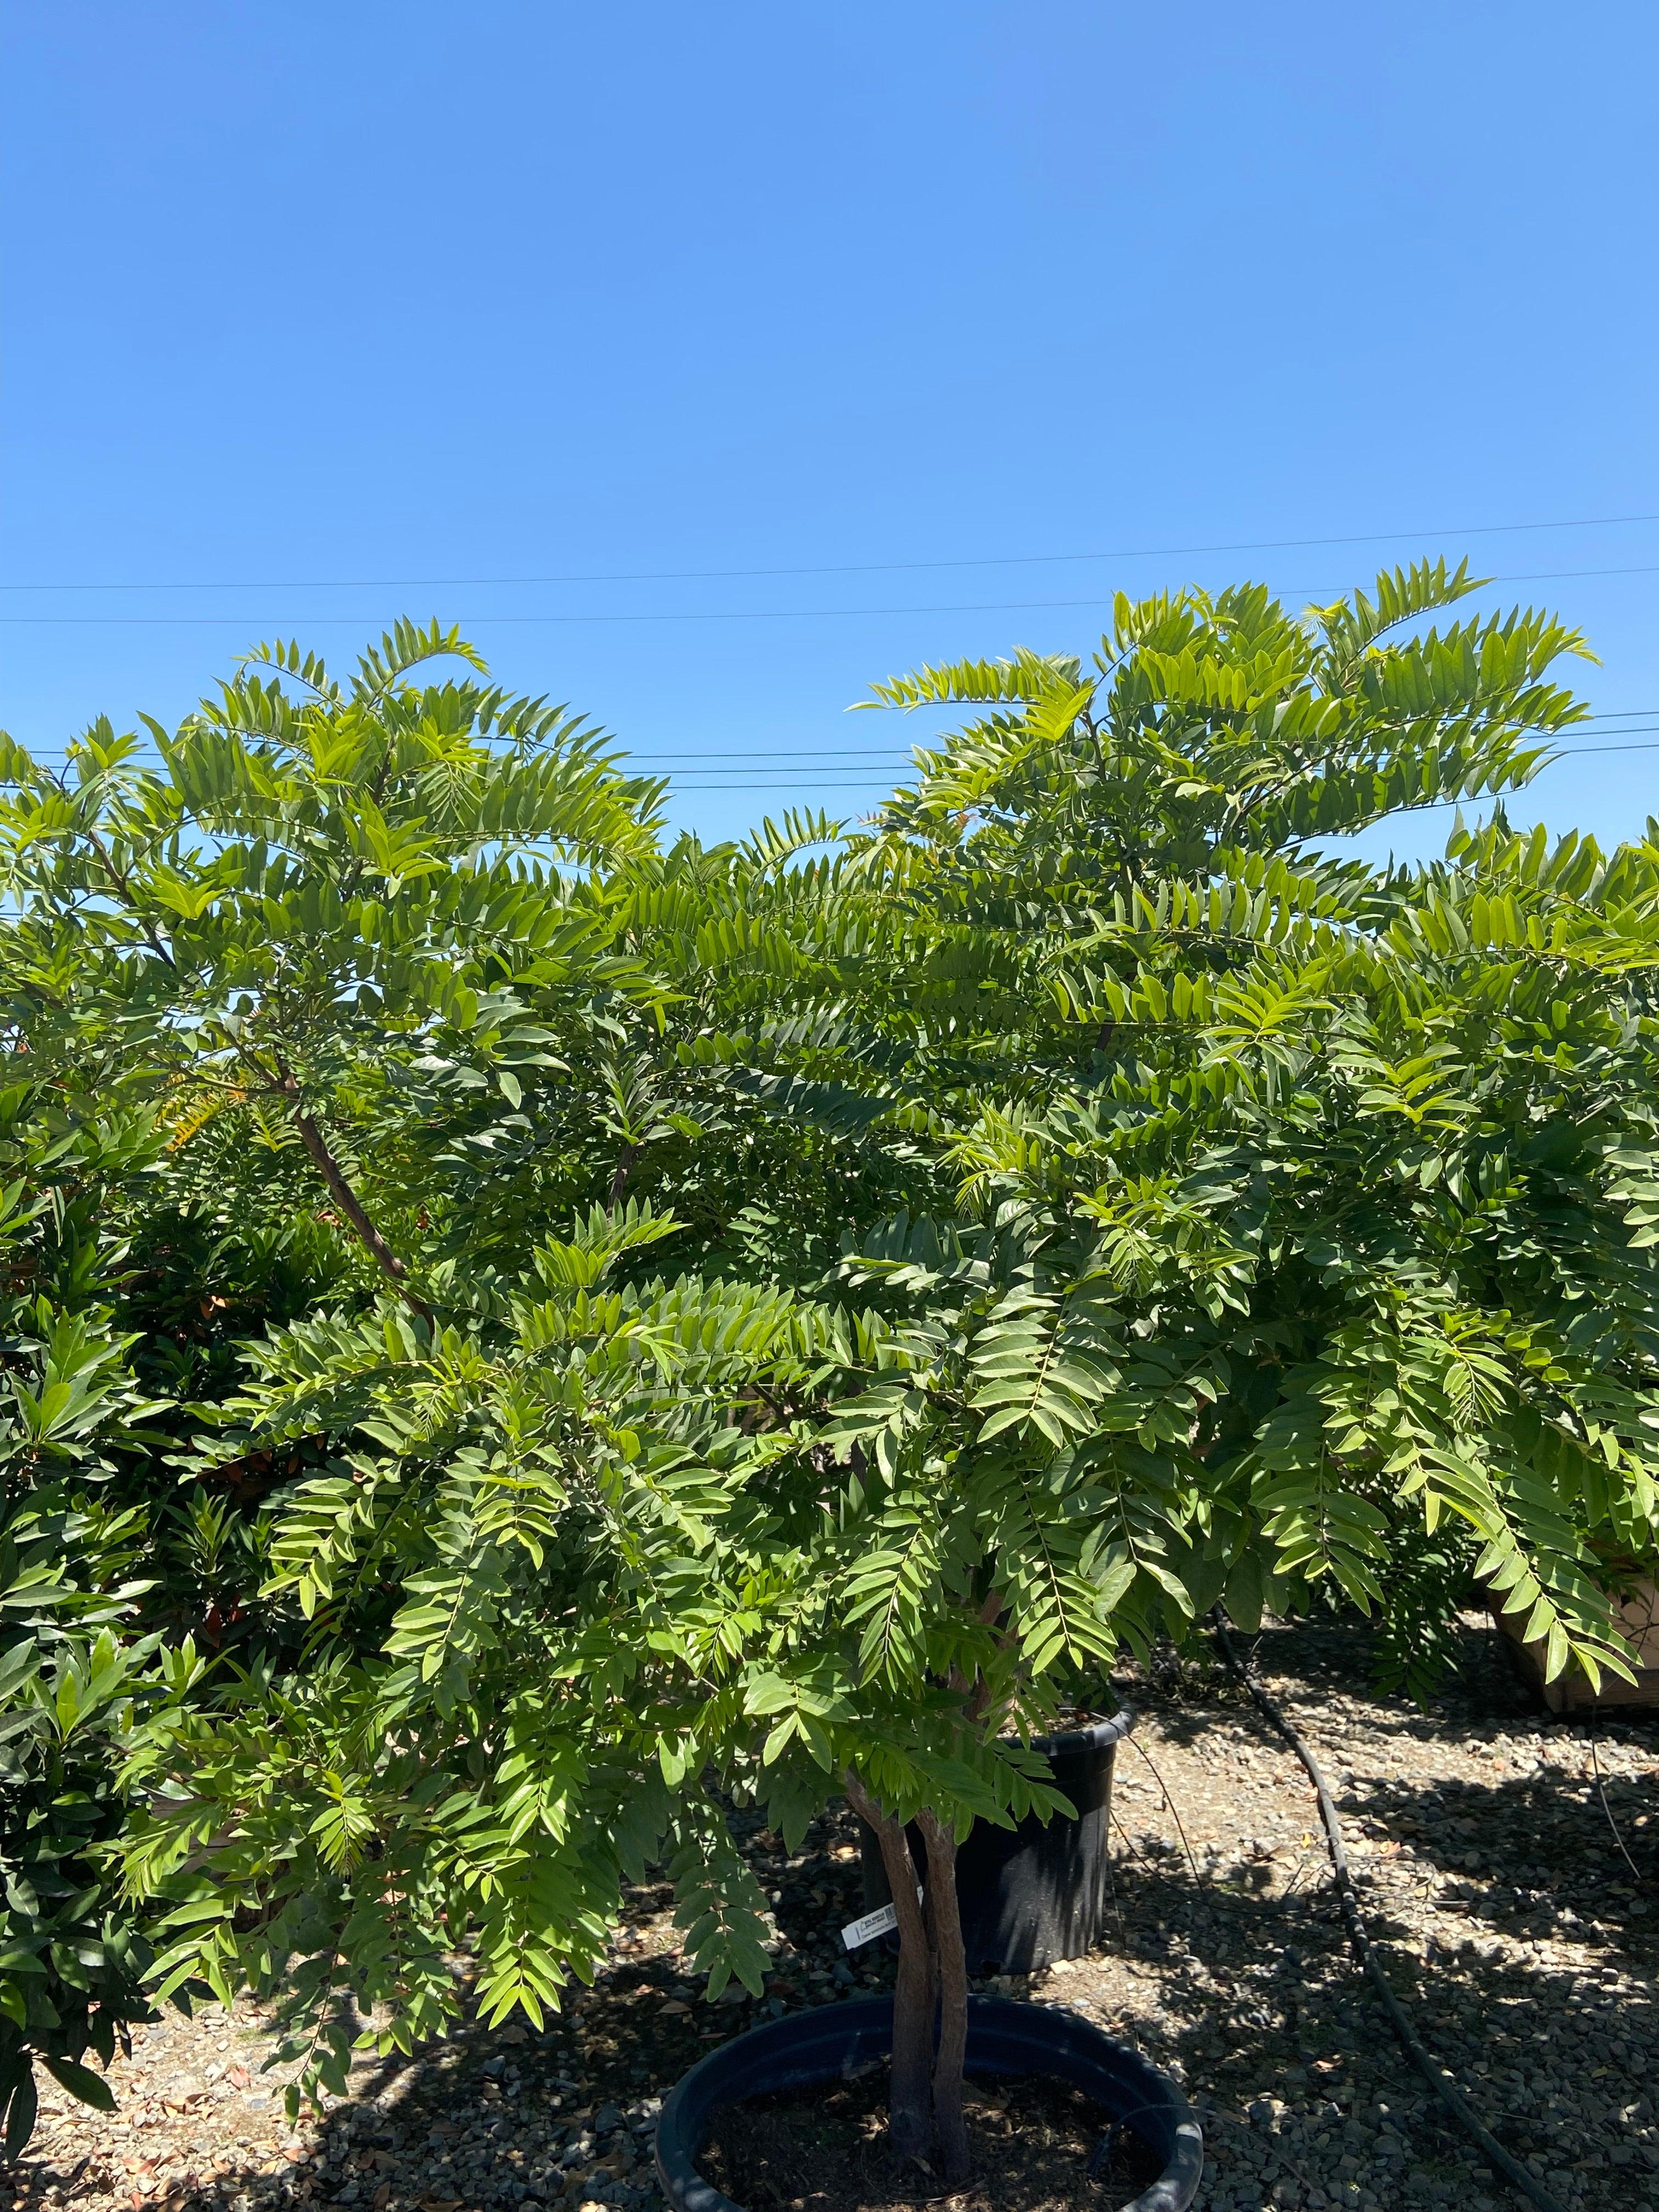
1358 1936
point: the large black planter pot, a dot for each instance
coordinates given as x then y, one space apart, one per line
1032 1894
1004 2038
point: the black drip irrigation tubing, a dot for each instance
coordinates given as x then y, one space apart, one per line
1618 1836
1360 1937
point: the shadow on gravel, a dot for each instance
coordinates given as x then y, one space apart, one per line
1252 1995
1337 1656
1537 1857
510 2117
1253 1990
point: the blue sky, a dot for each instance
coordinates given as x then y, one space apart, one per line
317 315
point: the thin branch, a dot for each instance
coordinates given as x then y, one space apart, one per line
123 884
286 1085
625 1161
1169 1802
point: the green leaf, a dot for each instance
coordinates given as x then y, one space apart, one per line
81 2082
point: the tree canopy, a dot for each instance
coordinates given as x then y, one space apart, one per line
620 1323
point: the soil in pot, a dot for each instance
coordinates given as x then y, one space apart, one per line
1037 2146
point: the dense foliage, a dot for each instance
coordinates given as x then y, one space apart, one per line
74 1457
625 1324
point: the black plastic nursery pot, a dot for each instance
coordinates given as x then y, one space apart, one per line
1037 1892
1004 2039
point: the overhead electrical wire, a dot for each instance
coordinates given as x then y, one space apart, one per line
709 771
700 615
859 568
701 762
881 759
807 781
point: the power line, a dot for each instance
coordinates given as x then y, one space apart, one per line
827 776
857 568
807 781
740 614
898 755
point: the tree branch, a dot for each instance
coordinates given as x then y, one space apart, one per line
311 1136
625 1160
122 884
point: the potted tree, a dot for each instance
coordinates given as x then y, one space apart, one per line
1256 1258
1212 1210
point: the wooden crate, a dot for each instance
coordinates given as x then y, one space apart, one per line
1570 1692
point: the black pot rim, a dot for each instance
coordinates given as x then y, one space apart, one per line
1095 1737
1003 2038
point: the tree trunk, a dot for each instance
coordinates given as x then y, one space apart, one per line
944 1934
625 1160
910 2102
346 1200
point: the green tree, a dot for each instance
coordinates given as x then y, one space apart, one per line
1290 1212
435 1040
1087 1201
328 912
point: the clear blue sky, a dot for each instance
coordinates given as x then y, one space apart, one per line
299 298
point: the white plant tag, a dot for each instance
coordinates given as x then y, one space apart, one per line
880 1922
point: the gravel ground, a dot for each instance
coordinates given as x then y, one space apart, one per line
1512 1925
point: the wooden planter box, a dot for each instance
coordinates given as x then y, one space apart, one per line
1570 1692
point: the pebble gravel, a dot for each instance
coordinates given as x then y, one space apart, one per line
1482 1835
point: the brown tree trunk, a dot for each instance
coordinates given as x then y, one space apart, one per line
625 1160
944 1935
910 2101
346 1200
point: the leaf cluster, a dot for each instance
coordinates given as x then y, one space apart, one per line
632 1325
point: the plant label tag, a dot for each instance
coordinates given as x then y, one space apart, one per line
880 1922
